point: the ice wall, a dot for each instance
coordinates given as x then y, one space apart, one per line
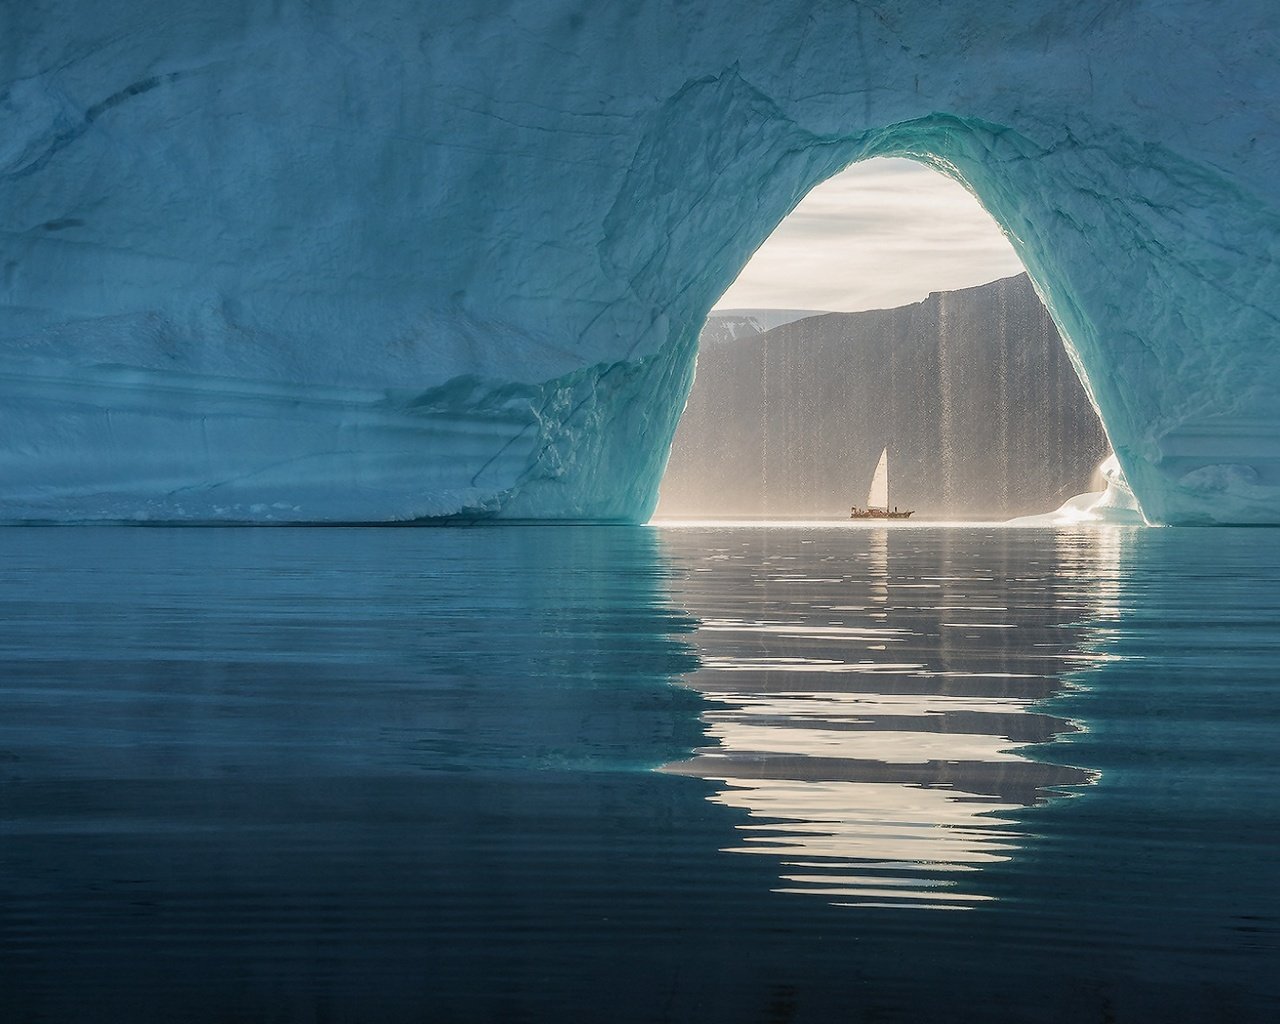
392 260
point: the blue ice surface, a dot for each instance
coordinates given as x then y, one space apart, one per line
399 775
398 260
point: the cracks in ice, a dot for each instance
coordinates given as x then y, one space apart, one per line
64 138
523 432
259 471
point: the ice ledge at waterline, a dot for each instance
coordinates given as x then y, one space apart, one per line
403 260
1114 506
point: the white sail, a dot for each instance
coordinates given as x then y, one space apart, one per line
878 497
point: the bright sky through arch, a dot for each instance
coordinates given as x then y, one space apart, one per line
882 233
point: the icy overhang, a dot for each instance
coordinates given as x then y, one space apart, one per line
395 260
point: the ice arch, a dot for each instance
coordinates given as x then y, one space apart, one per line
392 260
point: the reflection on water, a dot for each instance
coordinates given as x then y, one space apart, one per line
407 775
874 698
351 775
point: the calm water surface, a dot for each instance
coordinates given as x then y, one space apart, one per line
656 774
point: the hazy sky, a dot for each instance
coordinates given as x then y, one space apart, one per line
883 233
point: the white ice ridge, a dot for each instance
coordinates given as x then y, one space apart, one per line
1115 505
395 259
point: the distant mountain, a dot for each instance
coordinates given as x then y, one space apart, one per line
741 322
971 392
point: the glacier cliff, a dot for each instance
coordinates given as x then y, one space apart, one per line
969 391
306 263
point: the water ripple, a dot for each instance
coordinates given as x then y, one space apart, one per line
879 742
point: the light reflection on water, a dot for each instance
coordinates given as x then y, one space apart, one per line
875 699
407 775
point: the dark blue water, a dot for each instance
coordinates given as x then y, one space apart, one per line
703 774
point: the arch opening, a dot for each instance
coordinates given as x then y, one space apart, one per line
1134 250
886 312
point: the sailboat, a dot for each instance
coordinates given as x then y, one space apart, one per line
878 496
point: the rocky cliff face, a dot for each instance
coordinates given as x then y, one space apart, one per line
971 392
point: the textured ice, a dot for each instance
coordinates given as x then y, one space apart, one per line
396 259
1115 505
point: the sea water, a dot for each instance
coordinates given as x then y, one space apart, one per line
704 772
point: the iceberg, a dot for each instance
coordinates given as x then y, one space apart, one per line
405 261
1115 505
